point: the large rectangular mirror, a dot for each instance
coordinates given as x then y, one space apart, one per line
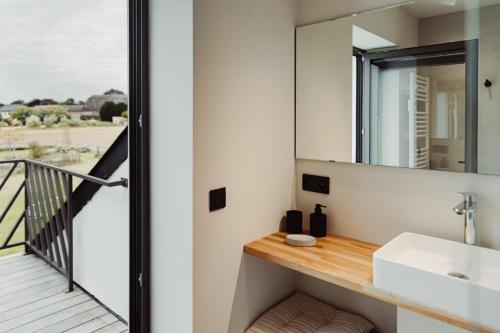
411 86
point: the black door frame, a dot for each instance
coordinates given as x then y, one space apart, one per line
461 52
139 183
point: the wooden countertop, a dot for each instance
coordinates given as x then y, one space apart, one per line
344 262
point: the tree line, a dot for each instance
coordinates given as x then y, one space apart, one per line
50 101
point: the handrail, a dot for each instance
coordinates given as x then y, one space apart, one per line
122 182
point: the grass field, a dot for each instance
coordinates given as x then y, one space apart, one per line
93 137
102 137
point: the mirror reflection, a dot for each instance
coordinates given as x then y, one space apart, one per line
407 86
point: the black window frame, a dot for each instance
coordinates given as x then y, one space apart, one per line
139 183
359 54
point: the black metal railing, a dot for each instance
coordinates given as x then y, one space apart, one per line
48 211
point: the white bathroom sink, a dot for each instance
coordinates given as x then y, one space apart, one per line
459 279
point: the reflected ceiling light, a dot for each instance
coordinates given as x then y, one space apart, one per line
448 2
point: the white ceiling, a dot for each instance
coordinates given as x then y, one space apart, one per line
428 8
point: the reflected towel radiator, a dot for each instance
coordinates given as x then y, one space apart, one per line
419 122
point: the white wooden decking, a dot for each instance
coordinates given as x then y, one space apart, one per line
34 298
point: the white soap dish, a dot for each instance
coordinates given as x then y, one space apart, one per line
301 240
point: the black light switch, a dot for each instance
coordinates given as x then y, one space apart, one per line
217 199
318 184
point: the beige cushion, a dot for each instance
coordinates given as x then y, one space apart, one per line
303 314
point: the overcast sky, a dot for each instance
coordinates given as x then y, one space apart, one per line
62 48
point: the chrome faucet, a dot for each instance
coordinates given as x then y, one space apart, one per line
468 208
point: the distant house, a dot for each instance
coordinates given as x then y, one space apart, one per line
7 109
94 103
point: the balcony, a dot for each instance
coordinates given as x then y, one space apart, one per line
38 292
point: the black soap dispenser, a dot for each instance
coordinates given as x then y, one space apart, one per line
317 224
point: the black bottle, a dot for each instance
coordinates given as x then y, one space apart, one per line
318 222
294 222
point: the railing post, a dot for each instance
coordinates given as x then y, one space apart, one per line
69 200
27 249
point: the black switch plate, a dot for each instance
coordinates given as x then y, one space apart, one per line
217 199
318 184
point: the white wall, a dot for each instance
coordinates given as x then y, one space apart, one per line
244 140
324 55
101 245
171 60
376 204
